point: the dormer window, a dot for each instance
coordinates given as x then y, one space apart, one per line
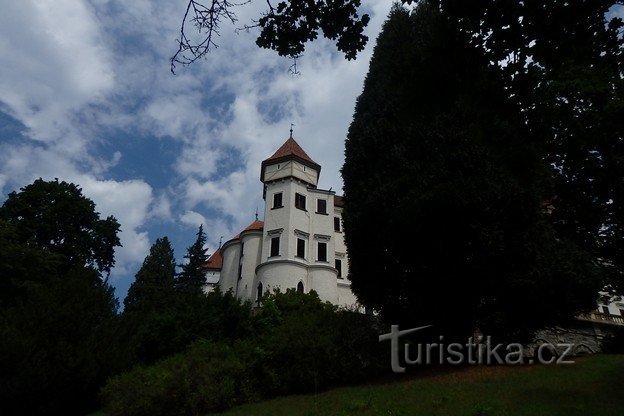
300 201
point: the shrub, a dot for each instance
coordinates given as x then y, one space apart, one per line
208 377
299 345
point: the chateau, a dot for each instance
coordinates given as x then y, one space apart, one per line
299 245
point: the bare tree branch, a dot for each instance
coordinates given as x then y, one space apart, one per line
206 19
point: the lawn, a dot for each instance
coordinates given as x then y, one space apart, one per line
591 386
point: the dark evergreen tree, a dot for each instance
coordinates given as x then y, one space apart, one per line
193 275
150 318
444 188
154 282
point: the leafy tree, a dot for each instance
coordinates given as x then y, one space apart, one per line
154 282
55 310
441 163
54 216
193 276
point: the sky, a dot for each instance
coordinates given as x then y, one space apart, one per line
86 96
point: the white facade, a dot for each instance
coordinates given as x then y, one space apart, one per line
300 243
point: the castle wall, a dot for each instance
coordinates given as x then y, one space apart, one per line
251 251
229 270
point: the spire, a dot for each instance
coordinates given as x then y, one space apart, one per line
291 129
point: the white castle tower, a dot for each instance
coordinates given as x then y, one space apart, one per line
299 244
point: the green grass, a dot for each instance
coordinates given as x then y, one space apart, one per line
591 386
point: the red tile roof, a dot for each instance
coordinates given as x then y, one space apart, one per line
256 225
215 262
290 148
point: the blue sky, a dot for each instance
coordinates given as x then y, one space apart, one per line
86 96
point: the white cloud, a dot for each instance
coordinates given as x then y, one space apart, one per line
54 62
72 69
193 219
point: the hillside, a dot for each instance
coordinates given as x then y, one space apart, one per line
591 386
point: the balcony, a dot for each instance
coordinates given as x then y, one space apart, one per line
601 318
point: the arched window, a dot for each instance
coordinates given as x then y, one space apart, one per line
259 297
300 287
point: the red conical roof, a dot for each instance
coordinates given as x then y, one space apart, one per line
215 262
288 151
290 148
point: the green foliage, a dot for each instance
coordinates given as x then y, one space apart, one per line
156 333
52 354
209 377
563 71
310 345
193 275
297 344
55 309
165 313
154 282
291 24
56 217
437 156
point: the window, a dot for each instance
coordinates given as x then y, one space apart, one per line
337 224
275 246
301 248
300 287
277 200
259 297
240 271
339 268
322 251
321 206
605 310
300 201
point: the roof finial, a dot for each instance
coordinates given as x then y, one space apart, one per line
220 240
291 129
256 212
